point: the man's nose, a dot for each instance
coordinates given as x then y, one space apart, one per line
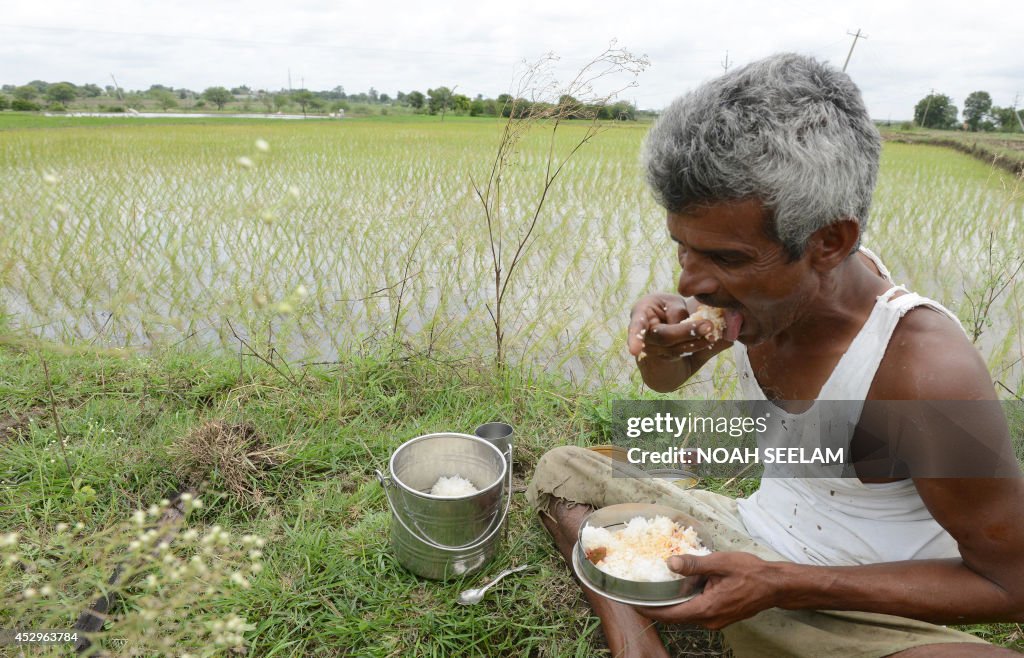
695 280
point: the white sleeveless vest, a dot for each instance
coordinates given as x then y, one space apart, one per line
842 521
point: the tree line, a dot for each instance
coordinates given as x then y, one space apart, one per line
38 94
979 114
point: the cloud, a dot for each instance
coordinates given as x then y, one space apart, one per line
402 45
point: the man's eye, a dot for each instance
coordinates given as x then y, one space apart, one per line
726 260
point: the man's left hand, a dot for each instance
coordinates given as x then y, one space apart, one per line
738 586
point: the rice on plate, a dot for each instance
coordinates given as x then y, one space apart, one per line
639 550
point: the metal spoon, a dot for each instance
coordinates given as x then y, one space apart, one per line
475 595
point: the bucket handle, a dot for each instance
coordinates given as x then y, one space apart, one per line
386 483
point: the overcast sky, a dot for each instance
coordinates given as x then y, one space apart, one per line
392 45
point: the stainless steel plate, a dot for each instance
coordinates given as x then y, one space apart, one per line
618 597
633 592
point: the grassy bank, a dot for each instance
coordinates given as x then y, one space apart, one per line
1003 150
329 584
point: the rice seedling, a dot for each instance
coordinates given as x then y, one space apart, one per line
154 233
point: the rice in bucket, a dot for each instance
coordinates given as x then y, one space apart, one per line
449 495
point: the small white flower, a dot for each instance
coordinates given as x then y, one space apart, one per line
240 580
30 593
294 191
301 292
10 539
50 178
185 497
139 517
255 555
245 161
46 590
153 510
262 145
198 565
79 526
256 567
62 527
283 308
151 581
197 503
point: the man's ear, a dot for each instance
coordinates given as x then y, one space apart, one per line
830 245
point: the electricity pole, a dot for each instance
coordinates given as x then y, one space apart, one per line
924 119
855 37
1015 114
117 88
725 64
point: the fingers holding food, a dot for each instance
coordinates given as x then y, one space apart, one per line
706 328
649 312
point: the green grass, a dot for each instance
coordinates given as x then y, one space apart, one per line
331 584
1006 149
26 120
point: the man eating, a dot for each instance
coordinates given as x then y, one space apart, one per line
766 174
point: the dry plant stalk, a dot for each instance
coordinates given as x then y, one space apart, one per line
999 273
237 454
537 100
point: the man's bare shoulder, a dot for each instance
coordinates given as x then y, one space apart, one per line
930 358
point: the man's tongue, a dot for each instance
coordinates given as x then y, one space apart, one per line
733 324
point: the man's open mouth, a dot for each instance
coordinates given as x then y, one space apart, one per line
733 324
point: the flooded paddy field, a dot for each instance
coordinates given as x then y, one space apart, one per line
325 237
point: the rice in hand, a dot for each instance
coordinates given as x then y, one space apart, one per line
454 486
716 316
639 550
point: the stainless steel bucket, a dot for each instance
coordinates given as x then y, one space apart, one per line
439 537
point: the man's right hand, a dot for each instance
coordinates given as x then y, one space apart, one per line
668 347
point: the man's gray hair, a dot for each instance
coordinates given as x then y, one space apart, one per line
787 130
